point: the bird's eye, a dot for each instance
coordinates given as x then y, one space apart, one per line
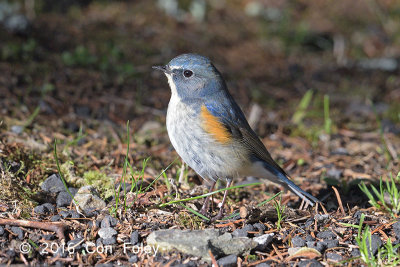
187 73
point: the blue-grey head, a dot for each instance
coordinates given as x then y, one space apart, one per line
192 76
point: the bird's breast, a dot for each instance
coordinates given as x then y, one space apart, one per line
202 143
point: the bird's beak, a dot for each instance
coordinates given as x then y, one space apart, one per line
164 69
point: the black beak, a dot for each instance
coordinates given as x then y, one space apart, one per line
164 69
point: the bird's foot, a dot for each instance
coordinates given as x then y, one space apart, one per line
219 215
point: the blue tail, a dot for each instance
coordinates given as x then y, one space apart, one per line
284 180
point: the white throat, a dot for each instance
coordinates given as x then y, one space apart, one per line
174 92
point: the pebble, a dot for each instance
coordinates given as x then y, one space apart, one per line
109 241
396 229
263 241
334 257
45 208
1 230
321 218
320 246
260 226
107 232
376 242
310 263
297 241
243 232
133 259
18 231
55 218
108 221
64 198
49 237
309 238
331 243
134 237
334 173
263 264
17 129
309 223
326 235
228 261
53 184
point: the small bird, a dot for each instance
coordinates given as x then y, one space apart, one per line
210 132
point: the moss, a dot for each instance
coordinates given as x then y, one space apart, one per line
100 181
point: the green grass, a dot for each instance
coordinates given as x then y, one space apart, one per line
387 197
280 209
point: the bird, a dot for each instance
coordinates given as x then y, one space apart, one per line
210 132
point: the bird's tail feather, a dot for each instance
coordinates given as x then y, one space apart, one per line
311 200
284 180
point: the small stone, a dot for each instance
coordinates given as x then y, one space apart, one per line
45 208
133 259
243 232
65 214
333 257
108 221
40 209
1 230
297 241
309 238
309 223
228 261
320 246
17 129
50 207
376 242
107 233
321 218
49 237
263 264
310 263
326 235
263 241
74 214
134 237
243 212
109 241
53 184
396 229
331 243
226 245
87 198
64 198
18 231
260 226
90 212
11 253
334 173
240 233
355 253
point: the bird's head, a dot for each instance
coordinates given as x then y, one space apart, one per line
192 76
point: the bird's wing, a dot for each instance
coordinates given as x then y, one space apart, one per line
231 117
235 124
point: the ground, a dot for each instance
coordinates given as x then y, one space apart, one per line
79 102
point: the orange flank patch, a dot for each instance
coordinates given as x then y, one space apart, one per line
213 126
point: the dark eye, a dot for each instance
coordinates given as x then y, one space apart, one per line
187 73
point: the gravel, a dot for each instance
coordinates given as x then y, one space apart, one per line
228 261
297 241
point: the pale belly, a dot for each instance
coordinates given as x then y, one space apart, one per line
207 157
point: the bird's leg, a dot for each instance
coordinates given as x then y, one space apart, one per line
204 208
221 210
